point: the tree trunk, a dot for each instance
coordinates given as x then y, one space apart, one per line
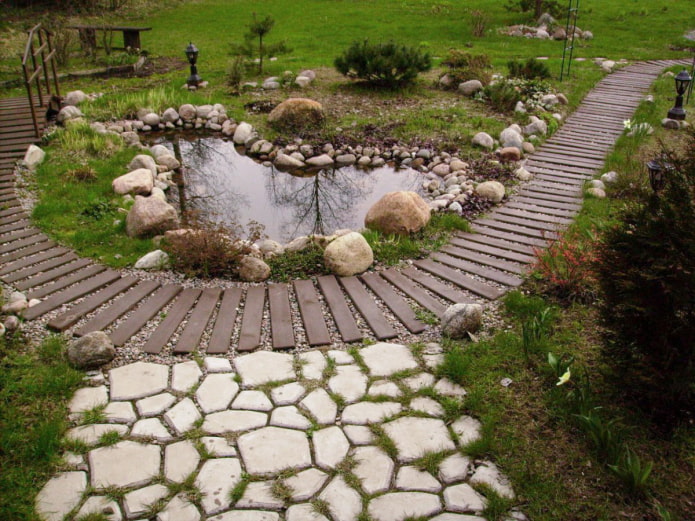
539 8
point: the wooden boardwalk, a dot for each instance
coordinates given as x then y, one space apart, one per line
477 266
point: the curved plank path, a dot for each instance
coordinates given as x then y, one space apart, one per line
315 436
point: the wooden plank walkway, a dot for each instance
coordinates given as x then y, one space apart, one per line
473 267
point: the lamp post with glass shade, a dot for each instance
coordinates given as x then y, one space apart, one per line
192 54
657 177
683 79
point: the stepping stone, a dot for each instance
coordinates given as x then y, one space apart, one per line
358 434
217 365
384 359
415 437
412 478
183 416
432 362
349 382
216 392
457 517
427 405
320 405
306 484
120 412
397 506
344 502
272 449
374 469
462 498
91 434
179 509
340 357
448 388
289 417
101 505
233 421
367 412
467 429
330 447
60 495
418 381
384 388
252 400
220 447
125 464
88 398
134 381
155 405
150 428
488 474
287 394
313 364
263 367
454 468
180 460
184 376
216 480
138 502
259 494
303 512
247 515
73 460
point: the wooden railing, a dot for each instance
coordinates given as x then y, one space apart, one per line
38 56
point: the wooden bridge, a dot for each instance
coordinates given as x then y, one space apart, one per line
479 266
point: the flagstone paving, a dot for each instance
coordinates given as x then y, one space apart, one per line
271 438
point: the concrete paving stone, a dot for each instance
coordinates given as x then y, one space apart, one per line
151 428
340 357
415 437
179 509
125 464
263 366
433 361
358 434
418 381
321 406
433 348
384 359
288 394
185 376
306 484
216 479
364 413
330 447
134 381
180 460
120 412
101 505
448 388
91 434
412 478
398 506
60 495
73 460
344 502
246 515
467 429
462 498
138 502
313 363
488 474
88 398
216 392
427 405
253 401
448 516
259 494
182 416
271 449
349 382
374 469
290 417
219 447
303 512
454 468
217 365
384 388
155 405
233 421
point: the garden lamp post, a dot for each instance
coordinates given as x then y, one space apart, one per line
657 178
192 55
683 80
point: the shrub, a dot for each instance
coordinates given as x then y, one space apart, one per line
383 64
529 70
254 44
502 97
463 66
479 21
537 6
235 74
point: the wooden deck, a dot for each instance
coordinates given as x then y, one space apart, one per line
473 267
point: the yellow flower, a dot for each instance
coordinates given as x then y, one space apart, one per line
564 378
627 124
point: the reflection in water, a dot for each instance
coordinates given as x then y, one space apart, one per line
222 186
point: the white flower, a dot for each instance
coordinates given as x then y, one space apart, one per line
564 378
627 124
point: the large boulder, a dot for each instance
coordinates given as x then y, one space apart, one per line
348 255
460 319
252 269
137 182
90 351
297 113
67 113
155 260
491 190
286 162
398 212
34 157
143 161
150 216
74 97
242 133
484 140
470 87
187 112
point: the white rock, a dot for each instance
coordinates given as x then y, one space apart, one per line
252 400
216 392
100 505
150 428
467 429
34 157
344 502
449 388
290 417
384 359
60 495
411 478
304 512
233 421
137 380
219 447
138 502
491 190
287 394
183 416
349 382
217 365
91 434
384 388
259 494
155 405
488 474
418 381
75 97
88 398
271 449
180 460
462 498
321 407
68 113
179 509
427 405
216 480
364 413
264 367
415 437
359 434
330 447
374 469
242 133
313 364
484 140
184 376
306 484
138 182
454 468
397 506
120 412
125 464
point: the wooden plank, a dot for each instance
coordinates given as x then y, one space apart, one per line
189 339
53 274
75 277
30 260
509 236
18 217
365 304
342 315
460 279
415 292
486 260
18 224
143 314
280 316
118 308
29 250
10 247
526 223
312 313
397 304
477 269
517 229
533 215
503 253
543 203
38 268
436 286
13 237
167 327
6 210
224 323
535 194
252 320
514 204
486 240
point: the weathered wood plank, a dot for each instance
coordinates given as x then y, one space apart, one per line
460 279
222 331
167 327
365 304
252 320
397 304
312 313
344 320
192 333
280 316
415 292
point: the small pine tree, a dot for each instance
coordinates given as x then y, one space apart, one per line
255 44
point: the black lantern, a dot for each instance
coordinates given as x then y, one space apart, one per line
657 177
192 55
683 80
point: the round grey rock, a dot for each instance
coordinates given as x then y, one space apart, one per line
92 350
460 319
